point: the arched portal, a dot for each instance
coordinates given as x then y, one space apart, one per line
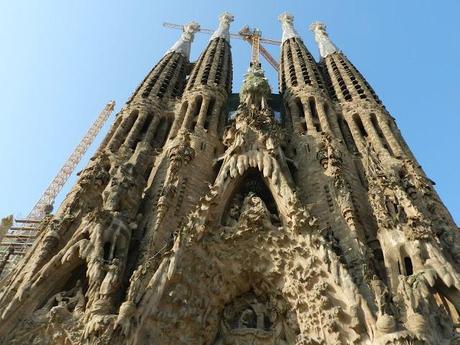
251 183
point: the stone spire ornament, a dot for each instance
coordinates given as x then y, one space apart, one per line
287 23
224 25
184 43
255 89
326 47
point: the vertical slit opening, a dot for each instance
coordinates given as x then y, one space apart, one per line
301 113
360 125
314 113
408 266
209 113
379 131
196 112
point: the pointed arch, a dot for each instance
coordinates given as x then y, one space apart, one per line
252 181
229 185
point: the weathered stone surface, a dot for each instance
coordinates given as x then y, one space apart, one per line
191 227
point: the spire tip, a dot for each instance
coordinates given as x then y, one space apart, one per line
287 23
224 25
325 45
183 45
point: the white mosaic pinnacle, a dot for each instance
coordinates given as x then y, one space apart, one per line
325 45
287 23
224 25
184 43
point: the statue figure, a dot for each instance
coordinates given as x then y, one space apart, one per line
111 280
391 204
413 181
254 212
248 319
381 295
329 156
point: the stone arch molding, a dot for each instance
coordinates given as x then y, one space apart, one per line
211 266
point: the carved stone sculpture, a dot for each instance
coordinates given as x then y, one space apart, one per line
300 219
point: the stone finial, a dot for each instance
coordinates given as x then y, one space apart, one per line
224 25
326 47
183 44
287 23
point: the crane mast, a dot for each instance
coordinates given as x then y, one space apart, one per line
255 43
45 203
253 37
17 236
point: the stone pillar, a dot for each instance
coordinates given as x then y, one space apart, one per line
151 131
189 114
121 132
203 112
372 134
355 132
311 129
215 115
294 113
323 119
390 137
111 133
133 135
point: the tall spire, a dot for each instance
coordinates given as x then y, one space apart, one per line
326 47
183 44
224 24
287 22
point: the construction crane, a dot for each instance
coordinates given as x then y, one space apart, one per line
45 203
253 37
21 233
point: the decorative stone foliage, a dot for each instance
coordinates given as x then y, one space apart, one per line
190 227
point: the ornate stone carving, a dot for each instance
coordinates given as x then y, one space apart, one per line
224 24
326 47
182 46
287 21
247 320
274 251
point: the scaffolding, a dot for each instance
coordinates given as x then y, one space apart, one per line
18 235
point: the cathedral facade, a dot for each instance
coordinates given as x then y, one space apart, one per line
193 226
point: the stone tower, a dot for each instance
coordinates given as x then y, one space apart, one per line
193 226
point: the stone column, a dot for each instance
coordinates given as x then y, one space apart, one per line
189 114
372 134
294 113
111 133
355 132
133 135
323 119
215 114
390 137
151 131
203 112
120 133
311 129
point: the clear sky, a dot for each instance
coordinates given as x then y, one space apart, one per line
61 61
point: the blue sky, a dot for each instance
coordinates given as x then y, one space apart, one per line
61 61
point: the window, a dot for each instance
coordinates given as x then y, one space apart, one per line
408 266
196 112
301 114
209 113
360 125
314 114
